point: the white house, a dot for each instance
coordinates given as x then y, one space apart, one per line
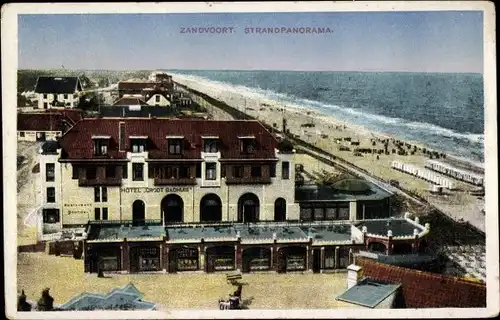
58 92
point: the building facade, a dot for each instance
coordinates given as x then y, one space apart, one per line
174 171
45 126
62 92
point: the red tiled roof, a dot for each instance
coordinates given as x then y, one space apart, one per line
50 121
427 290
77 143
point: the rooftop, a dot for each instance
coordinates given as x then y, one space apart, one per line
58 85
425 289
343 190
77 143
145 111
42 121
125 298
129 101
334 233
399 227
119 230
369 292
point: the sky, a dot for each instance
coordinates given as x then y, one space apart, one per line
441 41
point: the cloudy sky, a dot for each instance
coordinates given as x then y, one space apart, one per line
446 41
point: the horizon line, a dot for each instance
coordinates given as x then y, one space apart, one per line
247 70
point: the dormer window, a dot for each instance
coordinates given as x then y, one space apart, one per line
175 145
210 144
247 144
138 143
101 144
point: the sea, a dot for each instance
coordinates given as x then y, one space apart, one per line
444 111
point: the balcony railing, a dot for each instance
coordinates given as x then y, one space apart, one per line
251 180
174 181
84 182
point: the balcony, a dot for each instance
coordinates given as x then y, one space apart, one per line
174 181
84 182
250 180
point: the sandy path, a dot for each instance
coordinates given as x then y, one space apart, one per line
181 291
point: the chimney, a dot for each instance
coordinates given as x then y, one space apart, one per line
354 275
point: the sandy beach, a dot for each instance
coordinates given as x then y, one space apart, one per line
328 133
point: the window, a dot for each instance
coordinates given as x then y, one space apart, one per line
45 96
45 105
211 171
76 171
210 145
21 134
157 98
49 172
272 170
50 215
138 145
329 259
318 213
100 147
104 196
124 171
306 214
104 213
138 172
51 194
185 172
198 170
256 172
91 173
285 170
174 146
238 171
110 171
65 96
97 213
331 213
97 194
247 146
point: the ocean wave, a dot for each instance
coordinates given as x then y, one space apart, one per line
375 122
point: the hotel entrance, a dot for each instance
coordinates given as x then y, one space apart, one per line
210 208
172 209
138 213
248 208
220 258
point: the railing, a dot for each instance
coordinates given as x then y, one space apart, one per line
83 182
252 180
174 181
127 222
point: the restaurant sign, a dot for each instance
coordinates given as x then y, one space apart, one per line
155 190
77 208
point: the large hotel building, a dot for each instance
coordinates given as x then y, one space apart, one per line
168 195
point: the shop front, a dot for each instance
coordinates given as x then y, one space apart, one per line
256 259
220 258
145 258
105 258
183 259
292 259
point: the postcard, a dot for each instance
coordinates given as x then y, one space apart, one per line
250 160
